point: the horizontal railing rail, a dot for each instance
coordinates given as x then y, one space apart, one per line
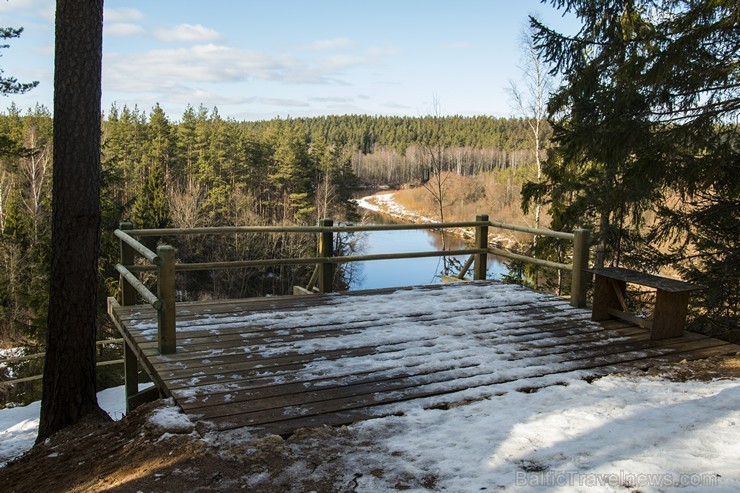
240 264
531 260
139 286
138 247
535 231
30 357
300 229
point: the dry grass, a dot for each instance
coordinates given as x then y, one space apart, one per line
496 194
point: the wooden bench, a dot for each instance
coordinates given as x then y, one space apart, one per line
671 301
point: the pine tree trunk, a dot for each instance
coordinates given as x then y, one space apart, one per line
69 371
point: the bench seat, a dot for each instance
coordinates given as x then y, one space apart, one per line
671 301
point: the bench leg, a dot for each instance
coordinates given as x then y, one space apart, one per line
605 297
669 318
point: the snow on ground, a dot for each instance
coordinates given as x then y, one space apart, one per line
384 202
615 433
619 433
171 419
19 425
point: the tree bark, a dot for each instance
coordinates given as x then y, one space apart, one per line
69 370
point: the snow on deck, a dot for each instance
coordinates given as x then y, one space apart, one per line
279 364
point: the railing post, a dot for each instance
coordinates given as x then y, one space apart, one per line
326 249
580 262
128 297
166 293
128 293
481 241
130 373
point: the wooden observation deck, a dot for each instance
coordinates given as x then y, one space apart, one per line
278 364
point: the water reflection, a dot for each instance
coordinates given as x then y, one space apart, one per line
406 272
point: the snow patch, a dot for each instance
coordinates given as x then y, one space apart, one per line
19 425
170 419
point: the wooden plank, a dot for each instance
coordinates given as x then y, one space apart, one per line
604 297
620 295
210 325
258 377
653 281
351 416
451 279
130 373
338 384
578 283
301 291
534 361
128 293
213 337
481 242
140 355
135 400
300 324
229 351
243 372
529 332
669 318
234 415
628 317
326 250
214 307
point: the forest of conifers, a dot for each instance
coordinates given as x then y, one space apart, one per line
204 170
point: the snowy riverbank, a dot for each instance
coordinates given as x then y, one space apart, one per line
384 203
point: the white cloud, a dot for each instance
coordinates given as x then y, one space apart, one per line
122 29
330 99
43 8
395 106
158 69
330 44
287 103
336 62
187 32
122 14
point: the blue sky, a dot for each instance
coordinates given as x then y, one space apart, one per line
262 59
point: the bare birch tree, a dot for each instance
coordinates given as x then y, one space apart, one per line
436 168
531 100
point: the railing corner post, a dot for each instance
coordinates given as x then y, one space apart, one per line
126 290
580 262
326 250
481 242
167 336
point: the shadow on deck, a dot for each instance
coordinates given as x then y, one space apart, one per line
280 364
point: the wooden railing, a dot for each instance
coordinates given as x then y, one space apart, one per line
163 260
30 357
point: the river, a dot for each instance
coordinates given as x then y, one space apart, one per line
407 272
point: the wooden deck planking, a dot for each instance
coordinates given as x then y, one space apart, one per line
464 373
231 373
